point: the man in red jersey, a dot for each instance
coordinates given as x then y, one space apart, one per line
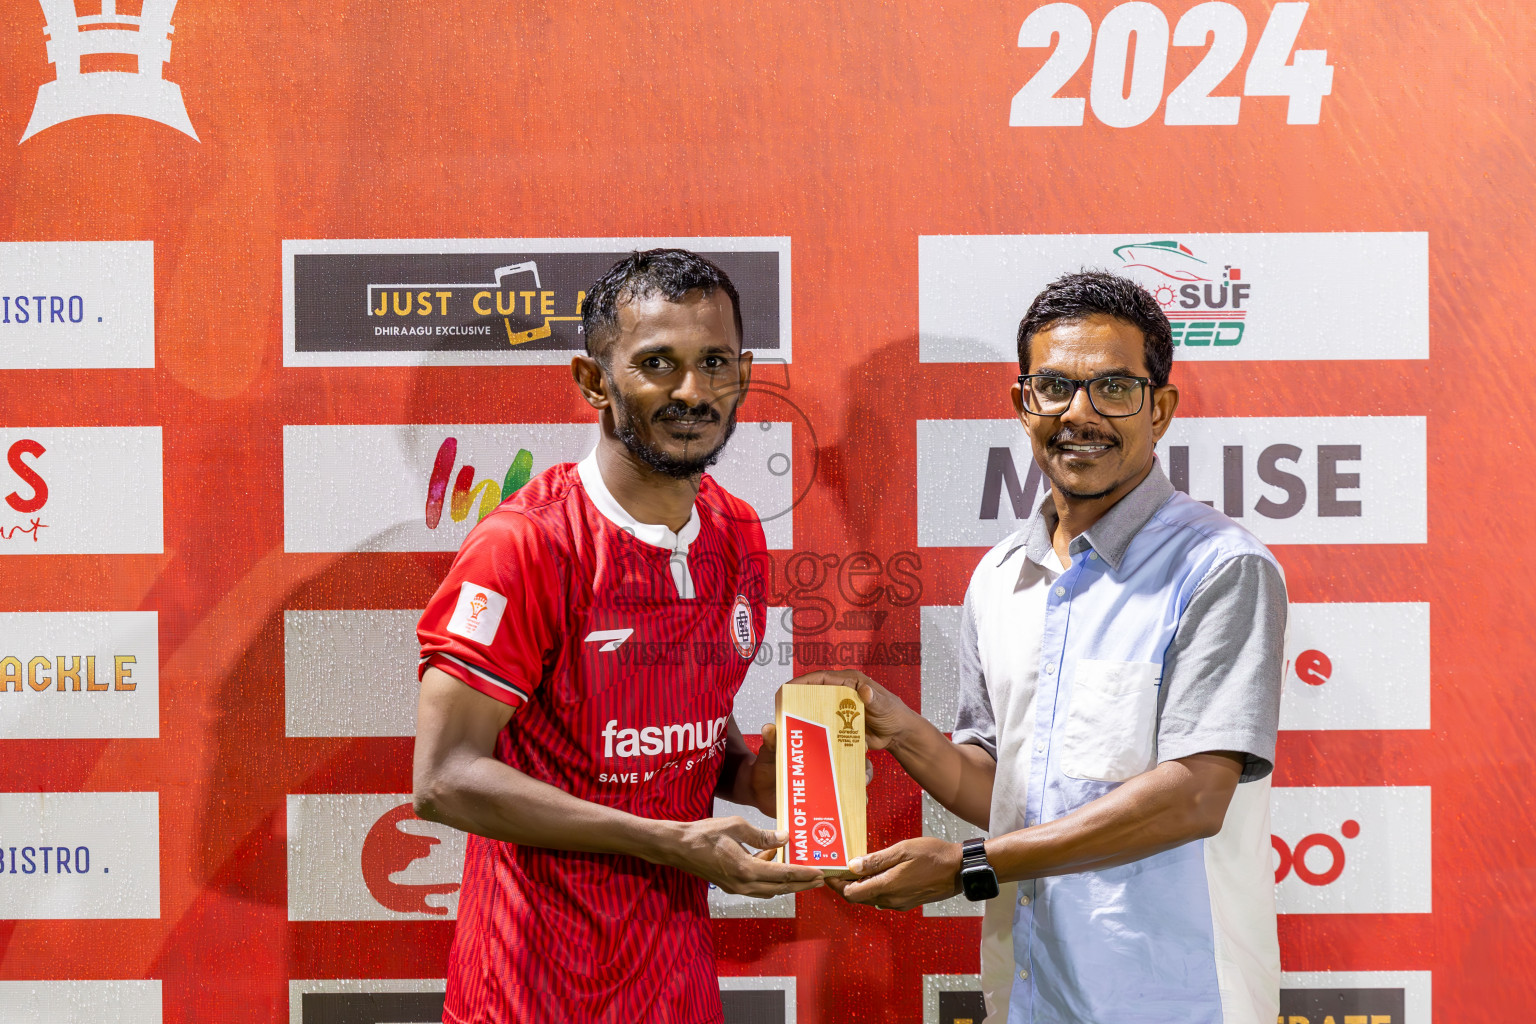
579 665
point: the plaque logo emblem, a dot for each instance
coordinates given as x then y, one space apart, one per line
145 38
848 712
824 832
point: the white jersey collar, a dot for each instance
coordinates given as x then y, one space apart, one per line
654 534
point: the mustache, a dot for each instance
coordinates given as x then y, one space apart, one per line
681 410
1069 435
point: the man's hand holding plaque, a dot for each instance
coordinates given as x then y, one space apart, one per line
914 871
820 737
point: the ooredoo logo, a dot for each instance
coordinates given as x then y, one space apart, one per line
389 850
1295 858
108 63
1351 849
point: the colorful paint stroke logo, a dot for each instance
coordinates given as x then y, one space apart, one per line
1205 305
466 490
108 63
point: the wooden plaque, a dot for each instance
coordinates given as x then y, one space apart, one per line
820 763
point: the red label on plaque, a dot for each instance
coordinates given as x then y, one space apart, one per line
815 813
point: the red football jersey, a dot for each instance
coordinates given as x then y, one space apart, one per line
622 646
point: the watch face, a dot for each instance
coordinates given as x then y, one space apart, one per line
978 883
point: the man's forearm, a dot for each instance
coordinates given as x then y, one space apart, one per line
487 797
1174 803
957 775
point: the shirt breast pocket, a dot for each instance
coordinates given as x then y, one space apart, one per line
1111 729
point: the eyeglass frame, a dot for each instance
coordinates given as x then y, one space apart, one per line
1082 385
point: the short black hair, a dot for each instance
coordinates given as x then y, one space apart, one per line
1081 295
670 273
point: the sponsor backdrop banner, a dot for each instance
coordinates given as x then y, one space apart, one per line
287 301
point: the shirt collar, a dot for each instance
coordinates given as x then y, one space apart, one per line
1114 531
654 534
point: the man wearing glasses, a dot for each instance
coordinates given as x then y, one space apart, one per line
1120 665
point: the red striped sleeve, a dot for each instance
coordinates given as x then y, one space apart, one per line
489 624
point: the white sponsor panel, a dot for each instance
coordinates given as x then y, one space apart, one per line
395 1000
726 904
1357 666
1288 480
753 709
1347 666
941 824
1352 849
350 672
940 626
1416 987
778 991
367 857
393 488
936 987
79 855
77 305
773 666
473 292
79 675
1341 295
80 491
80 1002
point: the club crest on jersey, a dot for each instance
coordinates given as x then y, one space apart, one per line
478 613
742 633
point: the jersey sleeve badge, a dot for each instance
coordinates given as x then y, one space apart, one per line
478 613
742 633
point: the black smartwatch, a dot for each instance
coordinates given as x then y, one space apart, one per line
977 879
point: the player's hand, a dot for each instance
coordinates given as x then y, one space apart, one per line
761 778
907 875
713 849
885 715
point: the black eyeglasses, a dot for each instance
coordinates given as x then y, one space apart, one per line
1046 394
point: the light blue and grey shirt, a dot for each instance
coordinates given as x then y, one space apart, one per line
1163 638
